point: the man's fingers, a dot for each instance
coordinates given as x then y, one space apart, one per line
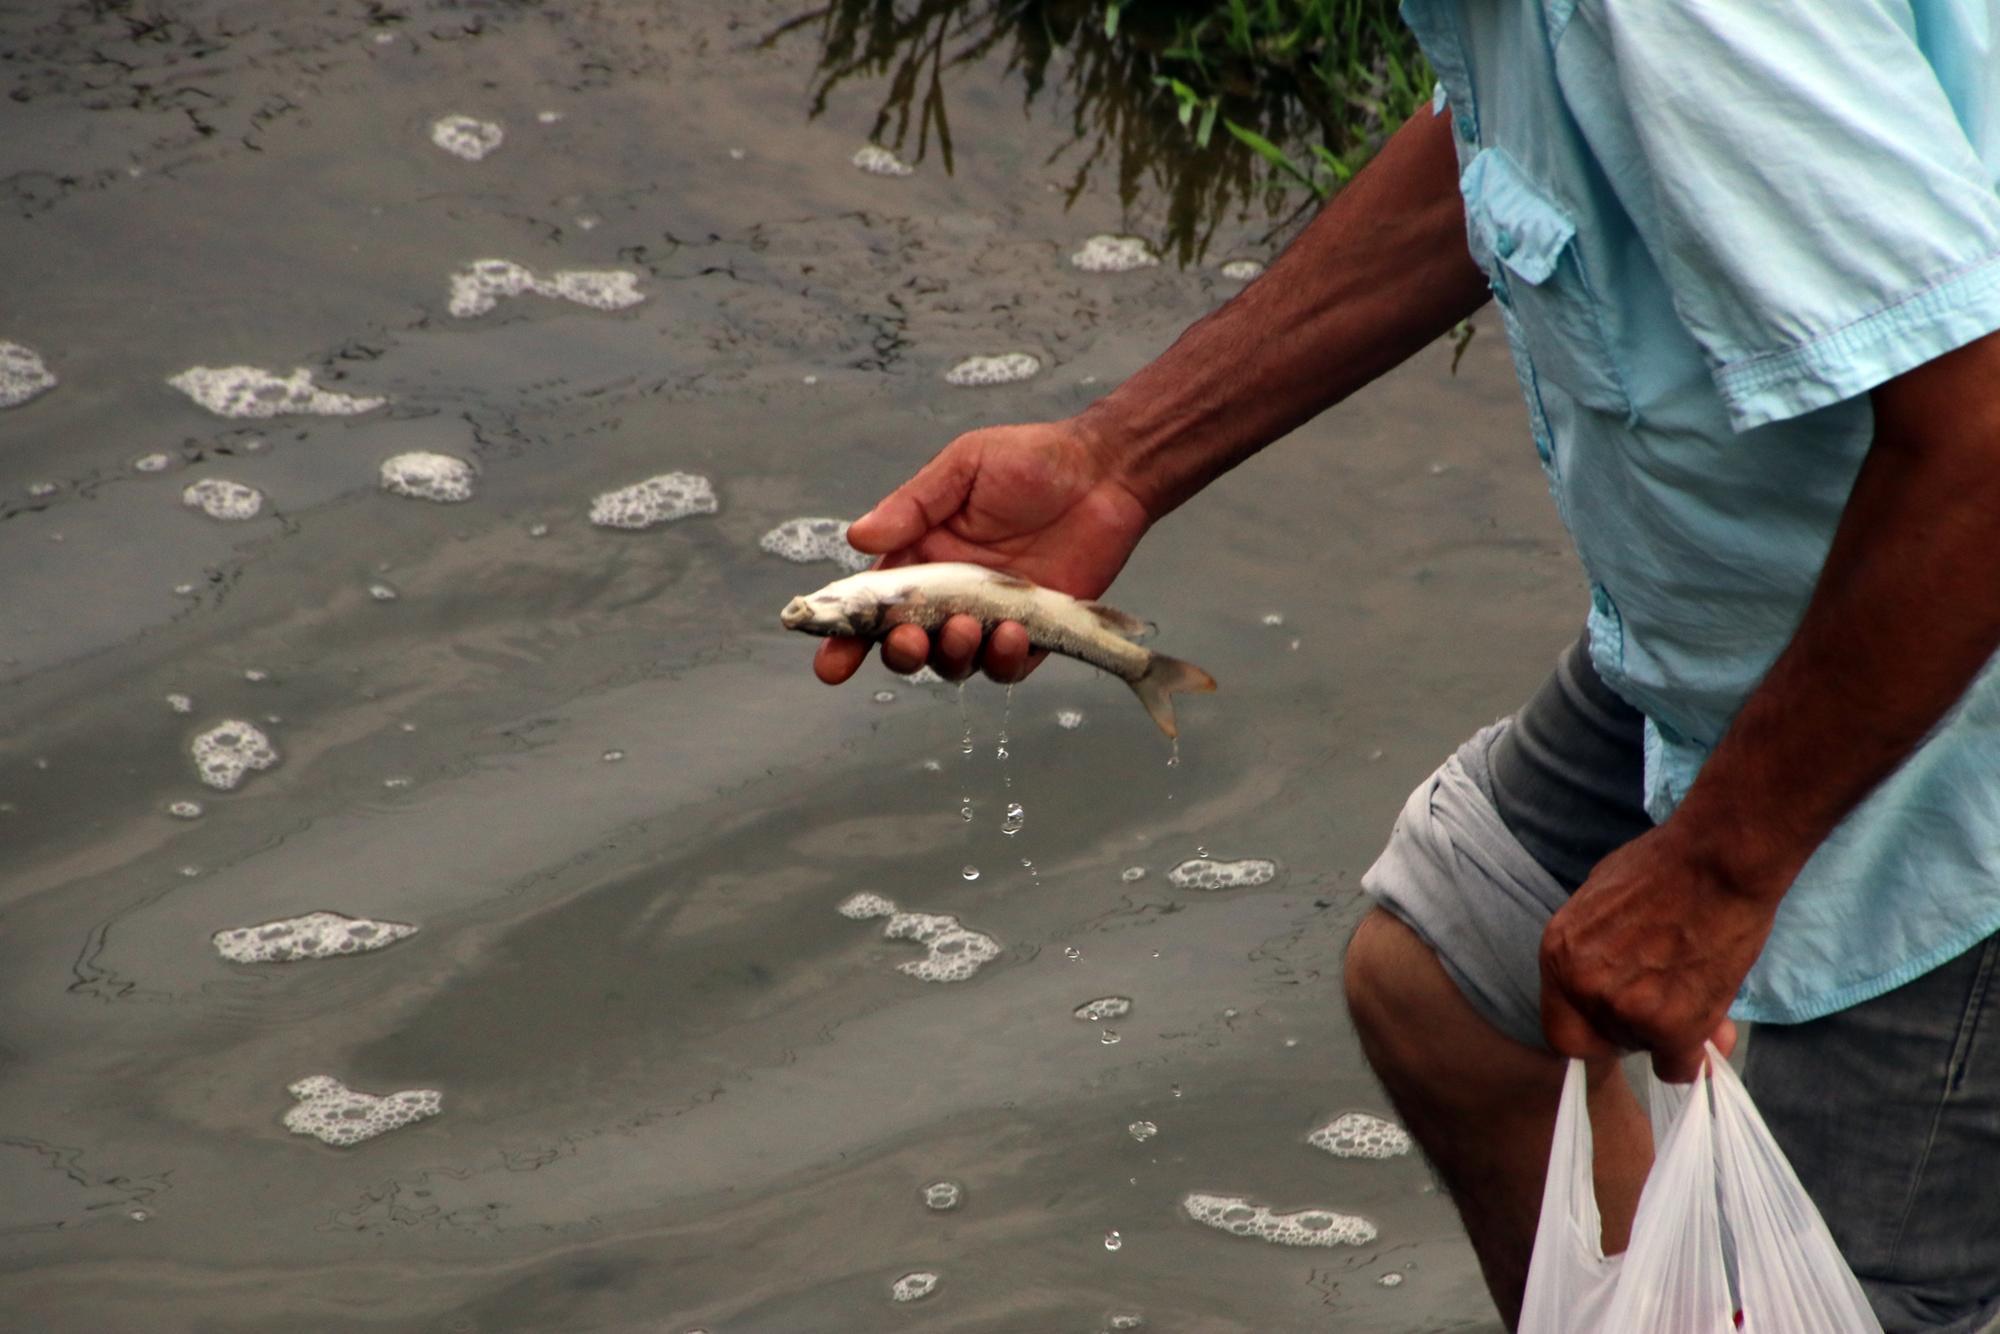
1724 1037
1568 1032
1679 1067
906 649
1008 653
956 646
838 659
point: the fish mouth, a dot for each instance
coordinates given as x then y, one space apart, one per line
796 613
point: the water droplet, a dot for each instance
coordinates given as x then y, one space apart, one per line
1142 1130
1108 1038
1016 817
1389 1281
970 873
1112 1241
613 756
885 697
965 813
1000 752
1176 1090
1072 953
1132 873
943 1195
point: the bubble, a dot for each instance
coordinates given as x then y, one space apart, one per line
422 475
1113 1241
247 391
1132 873
382 593
184 590
1274 618
138 1215
943 1195
1072 953
1124 1320
806 540
861 907
953 952
22 375
1003 369
399 781
932 767
465 137
406 727
220 498
969 873
227 752
190 871
885 697
155 462
1359 1135
1108 1038
1389 1281
548 117
1305 1227
255 674
613 756
480 286
657 500
538 530
1242 270
184 810
1105 253
1142 1130
913 1287
180 703
1015 819
1104 1007
1069 719
879 161
316 935
1204 873
335 1114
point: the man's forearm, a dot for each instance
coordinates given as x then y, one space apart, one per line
1381 272
1906 612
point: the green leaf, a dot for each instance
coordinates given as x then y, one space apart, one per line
1207 123
1111 17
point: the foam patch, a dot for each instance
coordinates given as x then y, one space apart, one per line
1105 253
220 498
480 286
913 1287
861 907
466 137
1069 719
1305 1227
1105 1007
317 935
943 1195
422 475
335 1114
657 500
952 952
248 391
1359 1135
1004 369
228 752
1242 270
22 375
1204 873
155 462
879 161
180 703
809 540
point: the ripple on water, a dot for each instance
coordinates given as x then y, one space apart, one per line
226 753
422 475
220 498
316 935
1003 369
22 374
657 500
1303 1227
335 1114
1359 1135
1208 873
248 391
466 137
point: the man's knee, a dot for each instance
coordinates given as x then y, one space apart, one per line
1391 977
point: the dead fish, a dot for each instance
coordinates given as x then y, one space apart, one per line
871 604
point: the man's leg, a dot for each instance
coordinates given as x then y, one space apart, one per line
1443 980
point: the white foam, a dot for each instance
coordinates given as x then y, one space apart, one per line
863 906
22 374
814 539
248 391
422 475
1304 1227
1003 369
1125 1320
316 935
1142 1130
943 1195
383 593
227 752
1132 873
879 161
180 703
952 952
657 500
1105 253
1242 270
1104 1007
184 810
480 286
1205 873
466 136
913 1287
1069 719
219 498
1359 1135
154 462
335 1114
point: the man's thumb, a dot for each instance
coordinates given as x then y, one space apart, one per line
914 508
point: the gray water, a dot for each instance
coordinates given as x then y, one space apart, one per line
679 1090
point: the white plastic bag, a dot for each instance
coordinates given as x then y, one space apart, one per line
1723 1226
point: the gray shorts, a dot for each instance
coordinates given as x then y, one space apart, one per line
1889 1111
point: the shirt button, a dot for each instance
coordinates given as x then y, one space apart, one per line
1503 244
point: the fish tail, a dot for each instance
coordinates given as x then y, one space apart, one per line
1164 678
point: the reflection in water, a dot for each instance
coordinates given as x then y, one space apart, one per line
1115 92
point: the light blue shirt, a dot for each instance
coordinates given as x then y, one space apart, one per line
1712 226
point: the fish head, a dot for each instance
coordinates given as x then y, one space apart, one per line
832 613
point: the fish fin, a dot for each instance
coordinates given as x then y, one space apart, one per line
1121 622
1166 677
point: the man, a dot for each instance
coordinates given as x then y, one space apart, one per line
1748 261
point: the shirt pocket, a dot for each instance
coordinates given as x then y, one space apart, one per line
1526 244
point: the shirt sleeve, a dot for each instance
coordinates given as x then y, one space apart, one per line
1821 215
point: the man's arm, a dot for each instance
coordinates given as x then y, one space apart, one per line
1380 273
1652 948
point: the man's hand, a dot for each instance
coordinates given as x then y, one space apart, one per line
1040 501
1647 955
